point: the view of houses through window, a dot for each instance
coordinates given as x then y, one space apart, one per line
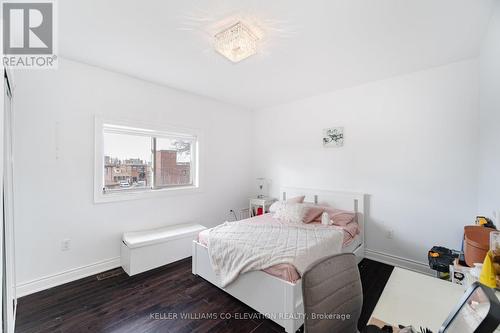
138 161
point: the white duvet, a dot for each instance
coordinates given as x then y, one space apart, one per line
238 247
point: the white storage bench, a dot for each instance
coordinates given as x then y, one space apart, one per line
145 250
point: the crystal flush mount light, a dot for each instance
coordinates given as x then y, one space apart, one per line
236 42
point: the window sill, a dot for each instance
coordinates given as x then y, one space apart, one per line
100 197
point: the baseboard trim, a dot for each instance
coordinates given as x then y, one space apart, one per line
397 261
50 281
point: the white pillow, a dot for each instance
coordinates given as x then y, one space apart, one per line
290 212
275 206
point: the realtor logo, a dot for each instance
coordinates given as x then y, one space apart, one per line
28 34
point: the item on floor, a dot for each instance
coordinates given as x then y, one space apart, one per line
495 254
477 311
485 222
376 329
458 272
495 242
476 270
440 259
472 275
378 326
476 243
461 258
488 276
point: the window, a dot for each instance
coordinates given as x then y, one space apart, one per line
135 160
127 161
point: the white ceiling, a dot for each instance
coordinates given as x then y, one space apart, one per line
310 47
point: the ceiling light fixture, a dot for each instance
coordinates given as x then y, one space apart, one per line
236 42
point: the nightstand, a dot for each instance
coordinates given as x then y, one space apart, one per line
255 203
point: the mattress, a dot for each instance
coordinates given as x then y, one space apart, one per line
287 272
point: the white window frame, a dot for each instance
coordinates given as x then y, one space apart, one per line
156 130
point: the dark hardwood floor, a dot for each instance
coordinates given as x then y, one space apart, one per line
143 303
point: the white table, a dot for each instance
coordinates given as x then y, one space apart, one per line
416 299
260 202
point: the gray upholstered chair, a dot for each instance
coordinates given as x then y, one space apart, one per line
332 295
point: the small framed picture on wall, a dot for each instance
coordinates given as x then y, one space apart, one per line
333 137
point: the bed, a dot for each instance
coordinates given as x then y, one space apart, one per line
274 297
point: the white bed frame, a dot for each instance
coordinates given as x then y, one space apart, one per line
277 299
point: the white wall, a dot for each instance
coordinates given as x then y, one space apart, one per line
410 143
489 181
54 197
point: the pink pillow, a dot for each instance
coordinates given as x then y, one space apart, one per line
339 217
299 199
312 213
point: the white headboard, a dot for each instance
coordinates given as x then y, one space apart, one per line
351 201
